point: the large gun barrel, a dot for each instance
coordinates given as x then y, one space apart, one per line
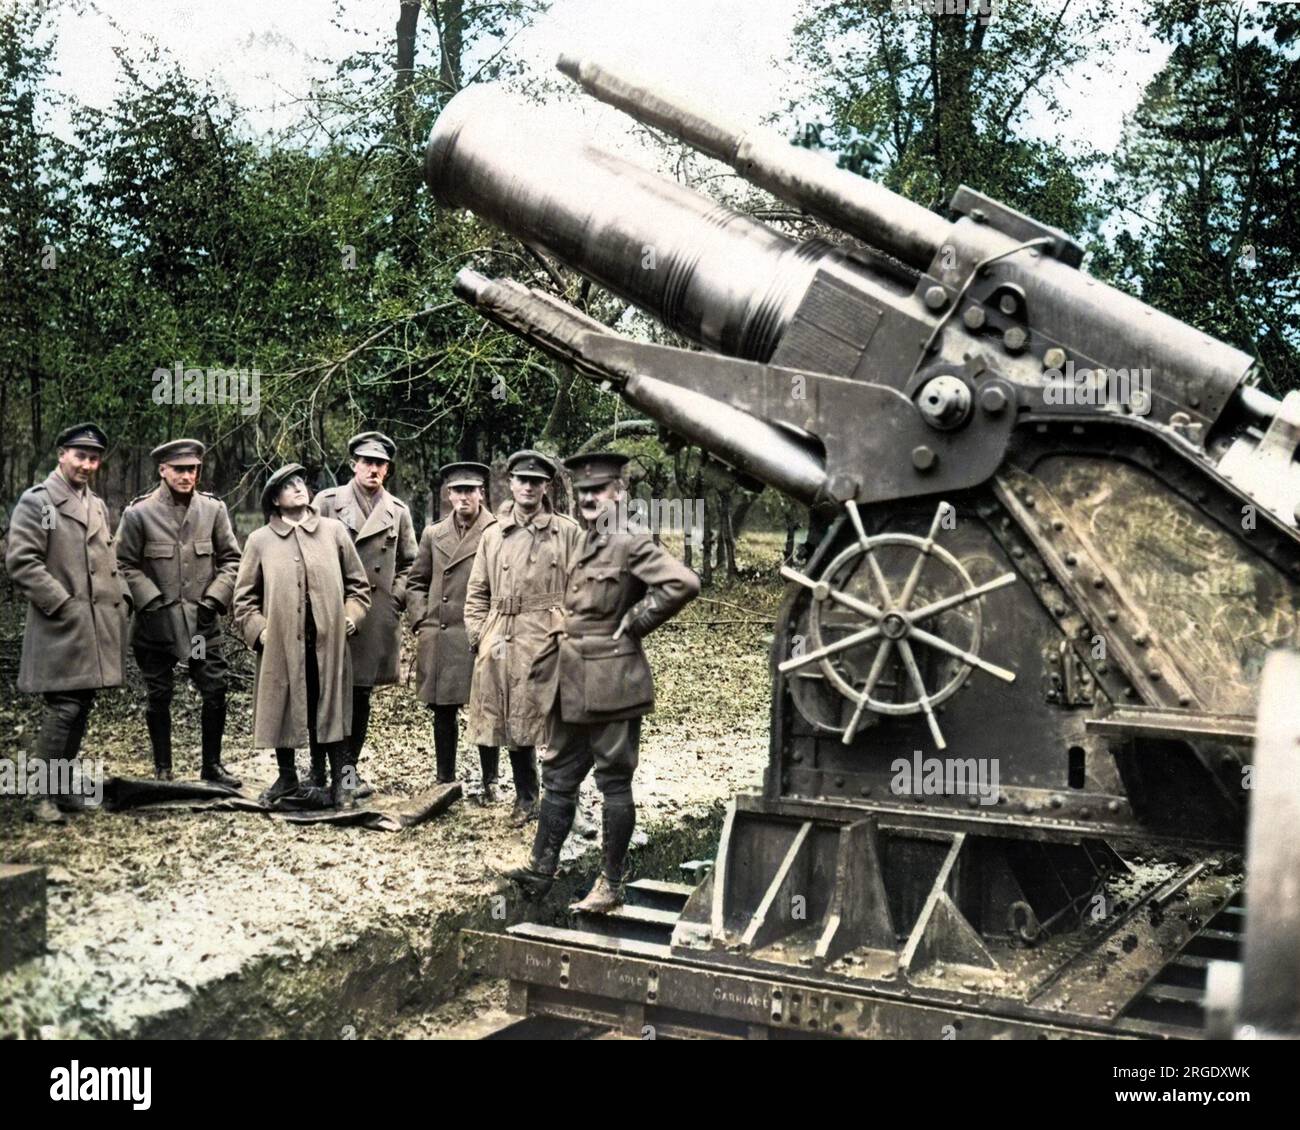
712 274
912 306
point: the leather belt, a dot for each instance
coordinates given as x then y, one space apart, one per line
514 605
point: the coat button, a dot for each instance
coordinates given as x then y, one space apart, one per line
445 599
297 558
505 564
443 627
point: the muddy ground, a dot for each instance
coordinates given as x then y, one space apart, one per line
170 924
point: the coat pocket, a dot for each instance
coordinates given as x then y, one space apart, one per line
203 549
159 549
616 674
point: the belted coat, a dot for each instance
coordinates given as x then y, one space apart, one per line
178 556
592 677
512 605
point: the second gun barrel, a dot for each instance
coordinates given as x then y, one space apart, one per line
801 177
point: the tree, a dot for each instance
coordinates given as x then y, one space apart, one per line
1206 180
925 100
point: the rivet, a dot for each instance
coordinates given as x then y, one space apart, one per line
1057 524
1014 339
1054 358
1112 615
1057 800
973 317
1071 559
923 458
936 298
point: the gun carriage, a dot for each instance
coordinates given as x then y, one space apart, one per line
1056 539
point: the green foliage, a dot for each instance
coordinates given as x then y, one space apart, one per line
932 101
1206 175
313 256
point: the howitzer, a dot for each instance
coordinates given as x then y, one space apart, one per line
1058 544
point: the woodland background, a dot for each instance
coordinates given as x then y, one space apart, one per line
169 231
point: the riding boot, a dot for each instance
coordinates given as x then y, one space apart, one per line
444 744
554 819
489 759
523 766
342 775
360 726
212 722
617 823
159 724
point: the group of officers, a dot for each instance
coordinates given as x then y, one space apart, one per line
533 619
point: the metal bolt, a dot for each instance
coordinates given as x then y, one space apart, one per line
1054 358
923 458
1112 615
842 487
973 316
1014 338
1057 800
1007 304
936 298
993 400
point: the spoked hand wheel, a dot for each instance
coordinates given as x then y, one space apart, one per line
892 623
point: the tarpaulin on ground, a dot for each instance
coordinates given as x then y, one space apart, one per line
379 813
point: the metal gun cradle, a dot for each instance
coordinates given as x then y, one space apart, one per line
1028 703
